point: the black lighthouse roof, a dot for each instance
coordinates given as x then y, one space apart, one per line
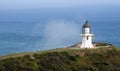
86 25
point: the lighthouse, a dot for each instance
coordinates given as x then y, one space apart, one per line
87 36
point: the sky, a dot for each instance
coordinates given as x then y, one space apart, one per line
37 4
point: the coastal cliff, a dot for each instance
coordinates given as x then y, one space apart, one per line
64 59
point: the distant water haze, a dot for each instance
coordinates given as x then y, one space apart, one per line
37 4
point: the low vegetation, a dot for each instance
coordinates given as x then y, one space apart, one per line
99 59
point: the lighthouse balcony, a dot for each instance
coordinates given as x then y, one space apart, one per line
83 35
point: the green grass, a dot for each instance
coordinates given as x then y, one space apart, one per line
64 59
15 55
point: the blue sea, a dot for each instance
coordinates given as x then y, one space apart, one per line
32 30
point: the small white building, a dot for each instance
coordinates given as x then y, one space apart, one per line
87 36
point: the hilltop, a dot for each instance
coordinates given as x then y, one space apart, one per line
64 59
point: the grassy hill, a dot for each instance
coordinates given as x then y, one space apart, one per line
64 59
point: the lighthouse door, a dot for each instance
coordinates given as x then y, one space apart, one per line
87 37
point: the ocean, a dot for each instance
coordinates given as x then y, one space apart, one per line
104 31
30 31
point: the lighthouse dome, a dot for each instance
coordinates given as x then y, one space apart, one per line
86 25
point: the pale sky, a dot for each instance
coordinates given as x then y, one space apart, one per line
35 4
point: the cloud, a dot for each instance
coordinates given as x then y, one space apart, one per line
61 33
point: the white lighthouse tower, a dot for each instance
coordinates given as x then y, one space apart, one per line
86 36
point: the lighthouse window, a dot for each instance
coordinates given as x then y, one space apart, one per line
87 37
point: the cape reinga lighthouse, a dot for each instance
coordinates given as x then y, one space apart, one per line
87 36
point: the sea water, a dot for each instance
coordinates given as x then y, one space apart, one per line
104 31
33 31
